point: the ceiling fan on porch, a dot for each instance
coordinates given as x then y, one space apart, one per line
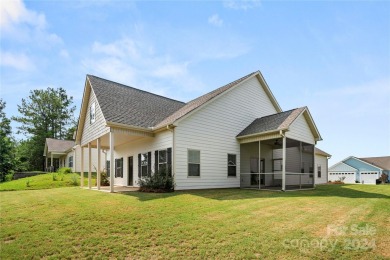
277 142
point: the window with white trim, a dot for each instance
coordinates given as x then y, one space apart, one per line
162 159
70 162
232 167
193 163
92 113
144 164
319 171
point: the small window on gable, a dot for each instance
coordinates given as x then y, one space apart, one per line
232 168
92 113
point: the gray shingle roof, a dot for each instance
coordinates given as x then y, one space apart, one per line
126 105
194 104
382 162
272 122
55 145
320 152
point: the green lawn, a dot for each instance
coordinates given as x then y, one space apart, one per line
45 181
231 223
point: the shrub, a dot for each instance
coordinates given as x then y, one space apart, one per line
28 183
74 180
64 170
104 181
9 176
55 176
158 182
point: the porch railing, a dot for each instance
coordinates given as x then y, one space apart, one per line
273 181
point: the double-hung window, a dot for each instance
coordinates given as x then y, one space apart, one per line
193 163
70 162
232 167
119 168
144 164
162 160
319 171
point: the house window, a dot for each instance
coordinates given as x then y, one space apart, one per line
232 165
119 168
162 160
319 171
193 163
108 168
92 114
144 164
70 162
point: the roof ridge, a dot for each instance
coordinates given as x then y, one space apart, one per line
137 89
223 86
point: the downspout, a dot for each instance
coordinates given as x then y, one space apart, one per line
283 161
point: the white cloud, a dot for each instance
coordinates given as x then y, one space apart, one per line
14 12
136 63
19 24
215 20
19 61
242 4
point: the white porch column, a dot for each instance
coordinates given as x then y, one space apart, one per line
284 165
47 162
51 162
98 174
112 162
74 160
82 167
89 166
259 165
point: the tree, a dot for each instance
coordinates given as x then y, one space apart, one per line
7 158
44 114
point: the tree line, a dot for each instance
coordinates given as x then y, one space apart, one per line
47 113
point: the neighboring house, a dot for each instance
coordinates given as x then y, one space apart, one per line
65 153
234 136
360 170
321 162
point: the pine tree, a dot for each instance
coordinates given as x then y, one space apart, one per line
44 114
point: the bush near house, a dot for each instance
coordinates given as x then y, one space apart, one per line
157 182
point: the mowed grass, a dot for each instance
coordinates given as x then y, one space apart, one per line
222 224
45 181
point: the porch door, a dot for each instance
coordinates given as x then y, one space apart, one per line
130 172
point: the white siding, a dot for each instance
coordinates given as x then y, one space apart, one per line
77 159
213 130
323 162
98 128
162 140
300 130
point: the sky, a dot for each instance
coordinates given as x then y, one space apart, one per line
332 56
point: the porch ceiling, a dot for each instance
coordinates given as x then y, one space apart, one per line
119 139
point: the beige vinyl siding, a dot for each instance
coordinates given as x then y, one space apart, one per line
160 141
323 161
300 130
98 128
213 130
